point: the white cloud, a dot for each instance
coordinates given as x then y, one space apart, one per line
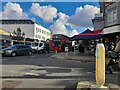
81 18
83 15
59 26
46 13
13 11
63 18
74 32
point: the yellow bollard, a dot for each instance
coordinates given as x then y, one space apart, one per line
100 64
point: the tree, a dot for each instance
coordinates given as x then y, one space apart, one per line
18 32
14 33
18 35
23 34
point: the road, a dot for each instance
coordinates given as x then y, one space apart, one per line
41 71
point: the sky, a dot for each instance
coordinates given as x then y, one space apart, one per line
68 18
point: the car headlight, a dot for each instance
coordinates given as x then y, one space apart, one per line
1 51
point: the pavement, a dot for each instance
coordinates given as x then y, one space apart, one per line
86 57
76 56
40 77
45 76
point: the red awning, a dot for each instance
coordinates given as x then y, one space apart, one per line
89 35
92 33
98 31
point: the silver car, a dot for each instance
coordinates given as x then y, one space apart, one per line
18 49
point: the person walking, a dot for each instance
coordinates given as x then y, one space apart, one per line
117 49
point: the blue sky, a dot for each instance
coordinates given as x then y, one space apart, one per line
65 14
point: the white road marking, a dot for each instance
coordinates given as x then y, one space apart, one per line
89 72
4 59
32 74
32 56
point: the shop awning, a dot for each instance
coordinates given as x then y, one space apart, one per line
5 37
88 35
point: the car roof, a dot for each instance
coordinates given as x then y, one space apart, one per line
21 45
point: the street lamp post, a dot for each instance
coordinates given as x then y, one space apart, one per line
24 39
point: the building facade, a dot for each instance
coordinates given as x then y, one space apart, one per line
5 39
30 28
98 22
112 19
41 33
109 22
103 5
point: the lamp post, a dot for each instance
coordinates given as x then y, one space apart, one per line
24 40
11 35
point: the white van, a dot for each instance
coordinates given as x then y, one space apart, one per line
37 46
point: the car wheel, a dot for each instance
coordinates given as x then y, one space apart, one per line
43 51
48 51
29 53
13 54
38 51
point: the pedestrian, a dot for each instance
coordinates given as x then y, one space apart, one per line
106 44
117 49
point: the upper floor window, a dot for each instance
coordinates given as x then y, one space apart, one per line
47 33
42 31
36 36
36 30
112 16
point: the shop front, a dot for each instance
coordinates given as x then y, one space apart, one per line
89 40
109 36
5 41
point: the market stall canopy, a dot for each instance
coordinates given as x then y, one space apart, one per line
86 31
88 34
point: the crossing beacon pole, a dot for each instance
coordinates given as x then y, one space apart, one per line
66 51
100 64
56 52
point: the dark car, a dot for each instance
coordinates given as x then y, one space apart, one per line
18 49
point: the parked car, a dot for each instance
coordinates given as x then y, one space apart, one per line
37 46
18 49
40 47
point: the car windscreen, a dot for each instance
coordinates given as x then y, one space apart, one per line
34 44
56 44
40 44
12 47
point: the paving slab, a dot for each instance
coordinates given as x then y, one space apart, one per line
84 85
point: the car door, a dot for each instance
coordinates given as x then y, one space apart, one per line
40 46
19 50
26 49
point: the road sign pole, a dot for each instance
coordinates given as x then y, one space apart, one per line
56 52
66 51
